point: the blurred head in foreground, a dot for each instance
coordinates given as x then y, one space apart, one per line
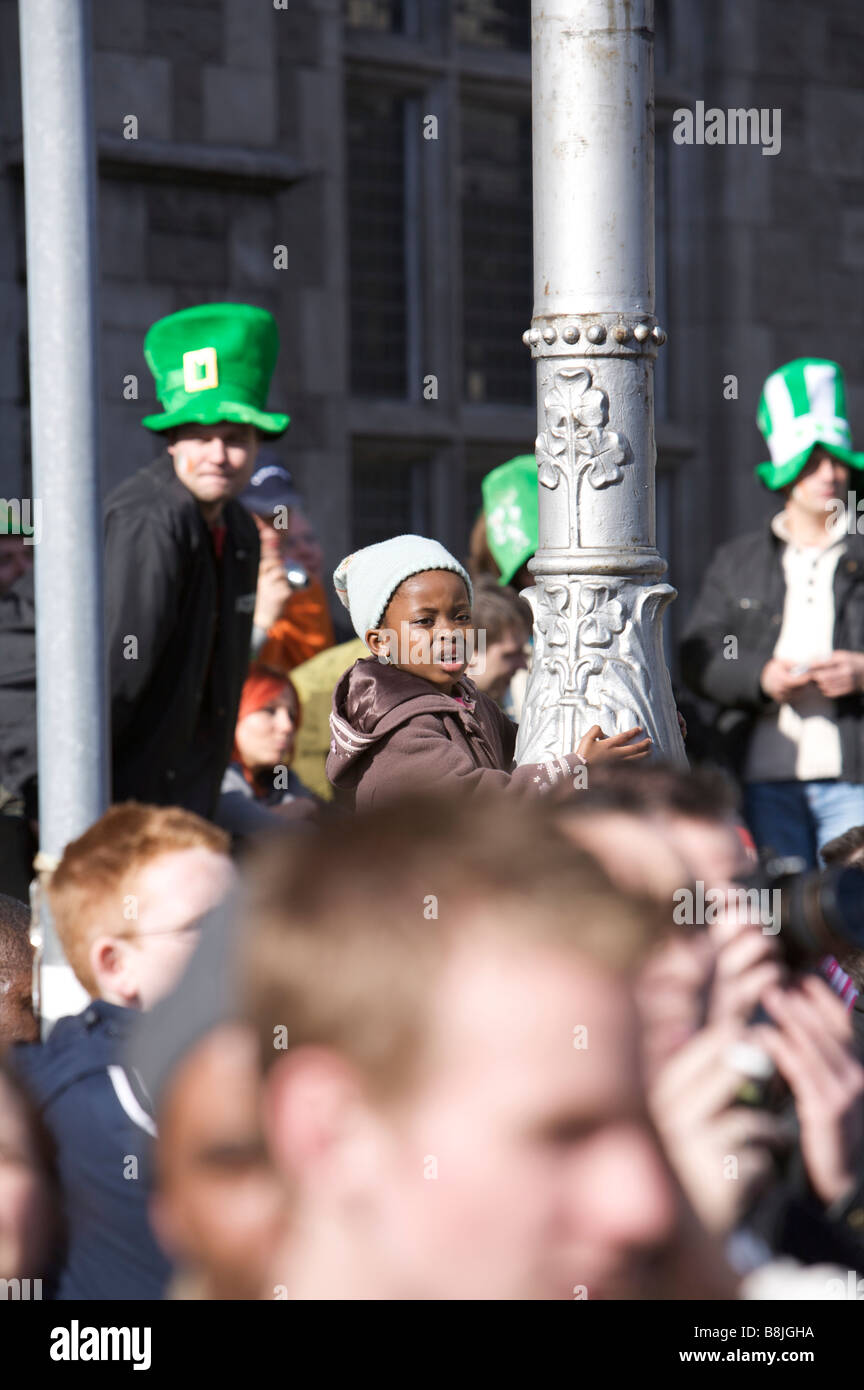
28 1193
17 1020
442 997
216 1201
668 831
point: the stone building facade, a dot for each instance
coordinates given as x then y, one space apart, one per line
362 169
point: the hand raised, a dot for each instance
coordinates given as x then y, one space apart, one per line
596 748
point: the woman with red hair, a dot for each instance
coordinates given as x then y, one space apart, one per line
259 790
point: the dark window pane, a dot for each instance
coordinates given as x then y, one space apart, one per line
662 37
390 493
376 232
494 23
496 254
383 15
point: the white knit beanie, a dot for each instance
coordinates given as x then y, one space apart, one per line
367 580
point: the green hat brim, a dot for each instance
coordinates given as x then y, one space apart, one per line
775 476
210 412
512 569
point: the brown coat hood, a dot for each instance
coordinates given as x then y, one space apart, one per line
393 732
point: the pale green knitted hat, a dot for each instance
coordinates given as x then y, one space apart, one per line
367 580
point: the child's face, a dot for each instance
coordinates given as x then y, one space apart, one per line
427 628
137 967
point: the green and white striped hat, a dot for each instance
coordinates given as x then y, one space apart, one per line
803 404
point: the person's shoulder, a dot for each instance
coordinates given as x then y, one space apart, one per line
77 1043
761 538
736 557
233 780
153 494
855 546
141 485
319 673
46 1068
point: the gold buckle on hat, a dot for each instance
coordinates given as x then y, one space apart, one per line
200 369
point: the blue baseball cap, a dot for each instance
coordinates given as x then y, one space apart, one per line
270 486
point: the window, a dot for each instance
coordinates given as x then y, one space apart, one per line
418 227
493 23
390 491
378 261
496 254
385 16
662 36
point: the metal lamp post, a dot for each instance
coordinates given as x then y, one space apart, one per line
59 172
598 600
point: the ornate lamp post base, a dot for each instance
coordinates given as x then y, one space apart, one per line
598 603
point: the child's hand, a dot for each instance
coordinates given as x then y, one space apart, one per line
596 748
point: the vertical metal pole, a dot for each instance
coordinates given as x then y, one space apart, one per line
60 185
597 604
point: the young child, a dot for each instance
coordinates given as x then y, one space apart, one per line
126 896
407 717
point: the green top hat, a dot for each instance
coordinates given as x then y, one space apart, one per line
511 510
214 362
803 405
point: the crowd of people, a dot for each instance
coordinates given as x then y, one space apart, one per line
375 1013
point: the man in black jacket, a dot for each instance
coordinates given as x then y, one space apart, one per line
776 639
182 558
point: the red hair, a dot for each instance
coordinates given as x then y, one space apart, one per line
261 687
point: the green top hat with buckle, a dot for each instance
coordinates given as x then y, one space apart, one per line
213 363
510 507
803 405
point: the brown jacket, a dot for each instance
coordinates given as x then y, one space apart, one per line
393 732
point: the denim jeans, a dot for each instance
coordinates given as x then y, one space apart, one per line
800 817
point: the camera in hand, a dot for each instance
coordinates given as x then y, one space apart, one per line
297 577
820 911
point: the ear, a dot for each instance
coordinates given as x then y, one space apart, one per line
110 968
378 641
311 1103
